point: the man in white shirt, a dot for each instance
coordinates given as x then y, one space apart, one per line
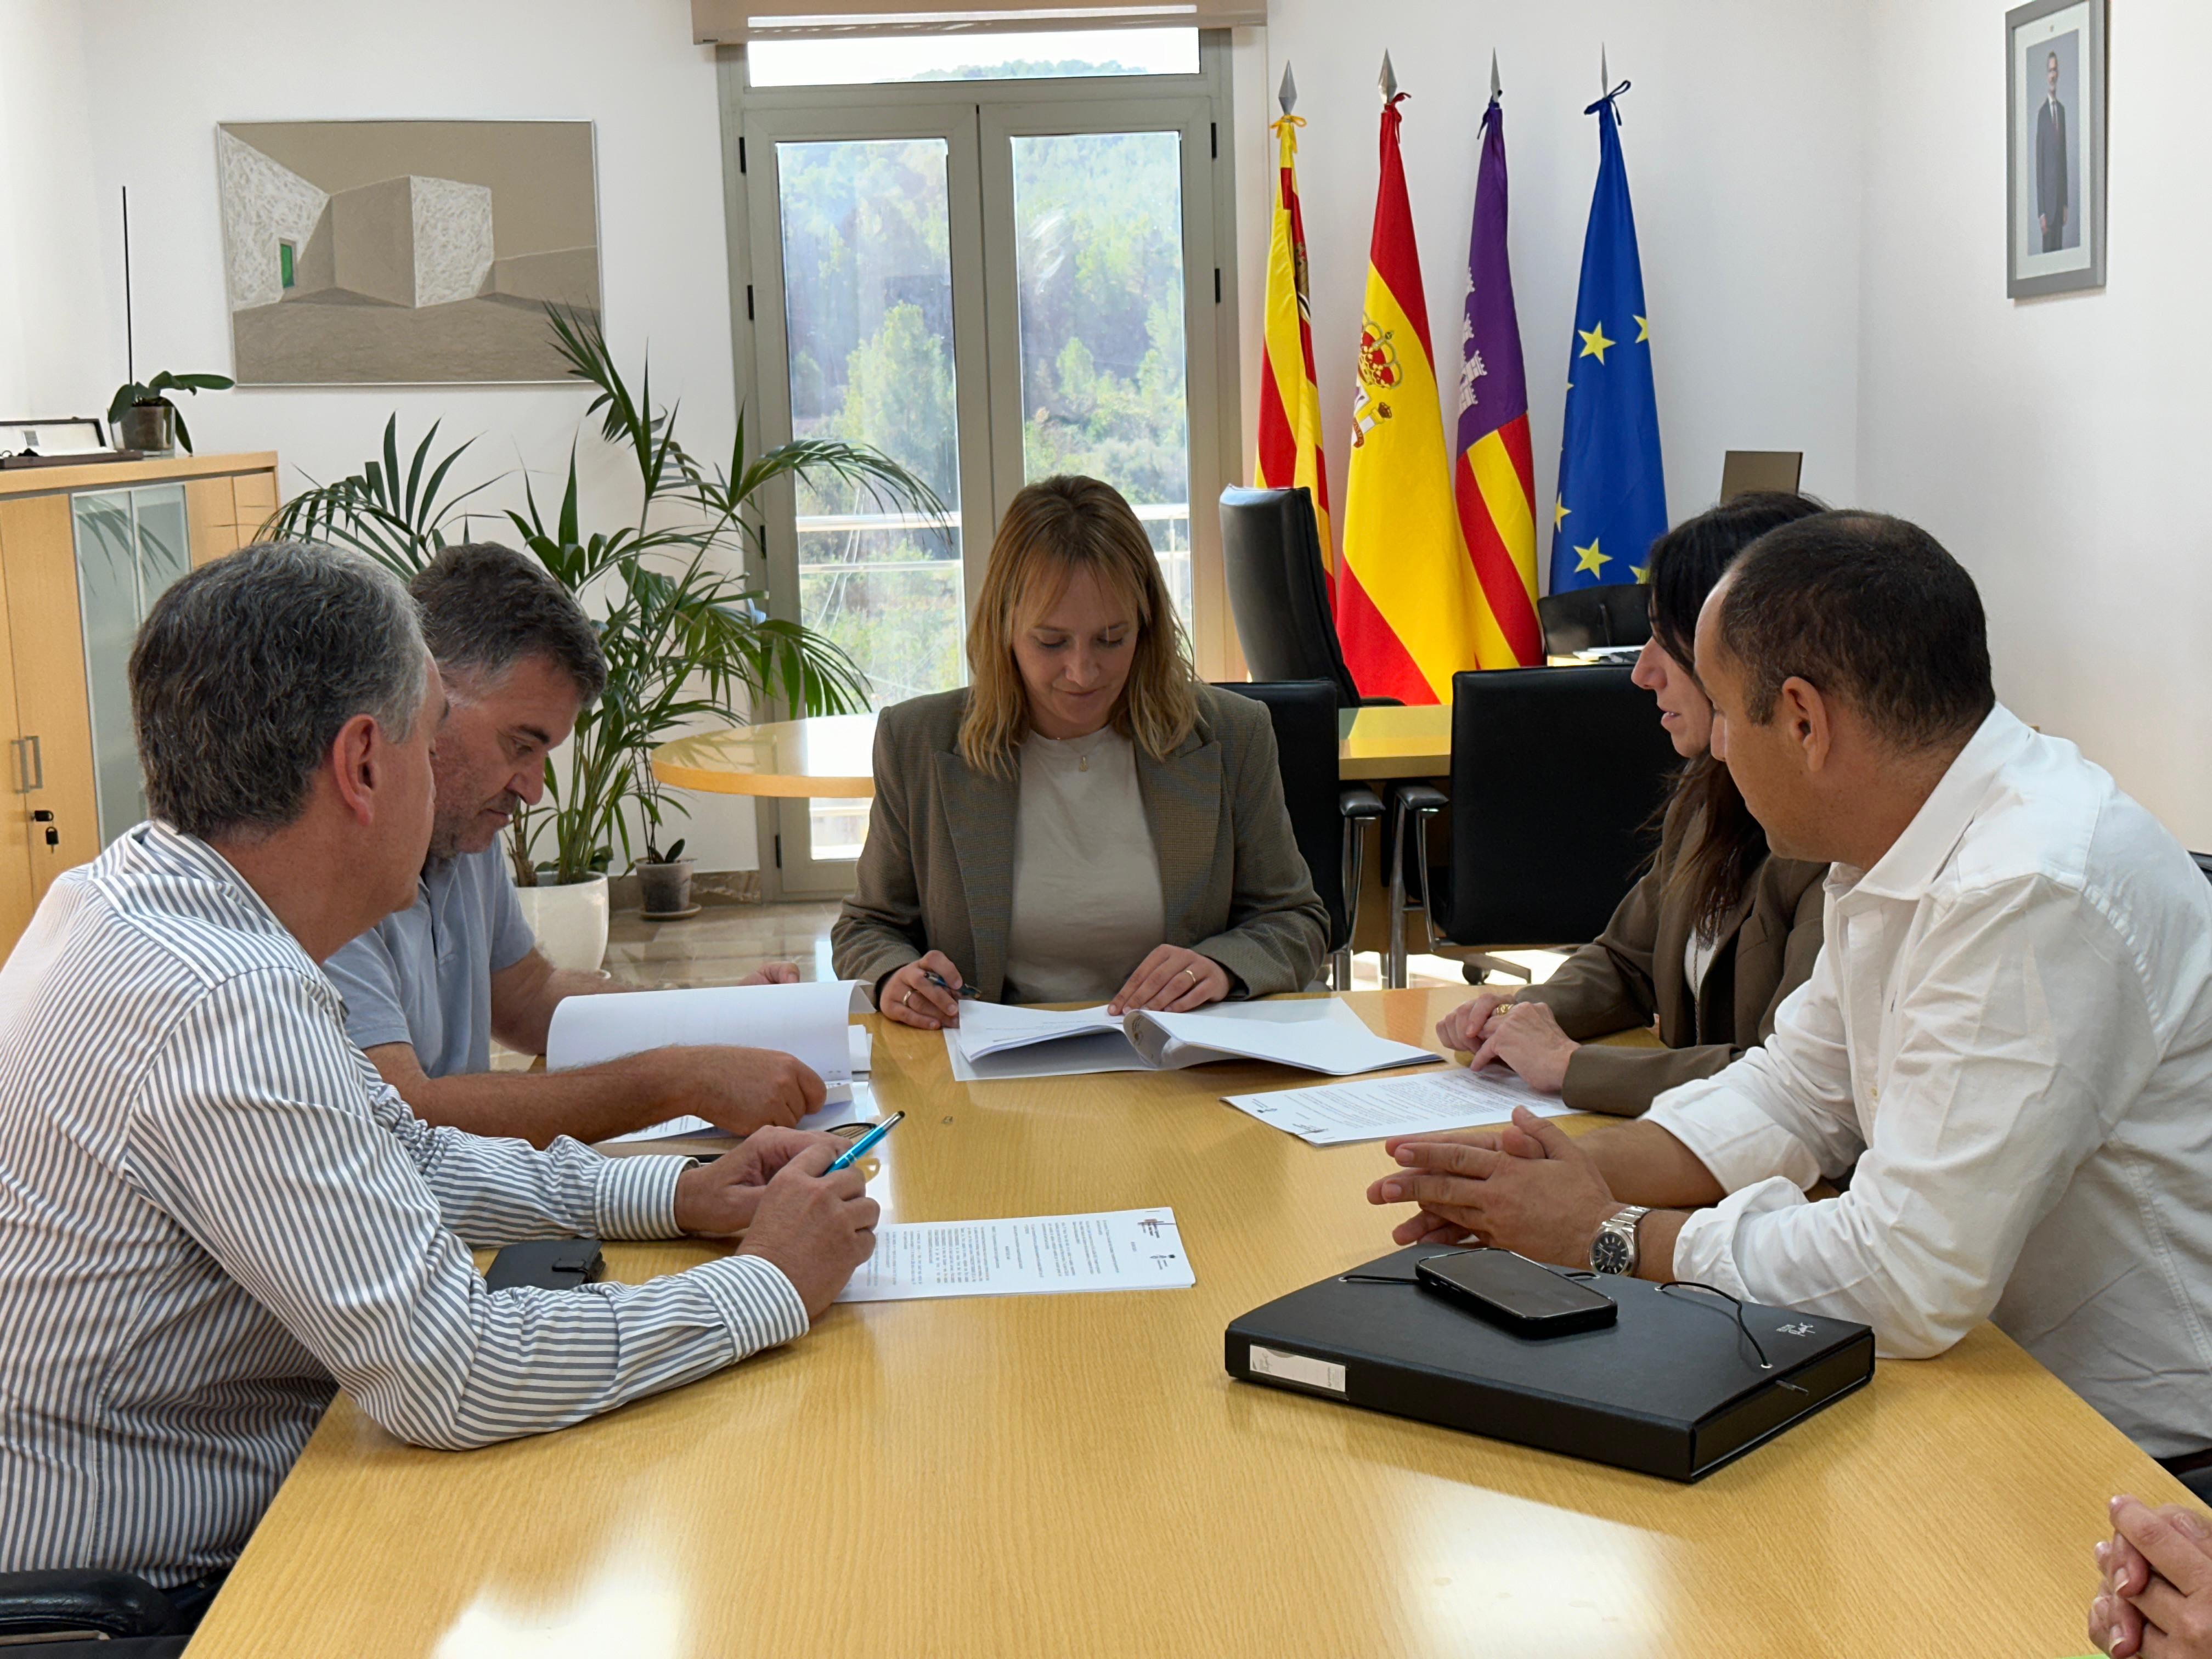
2008 1031
214 1214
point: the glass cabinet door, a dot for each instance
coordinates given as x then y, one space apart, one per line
131 545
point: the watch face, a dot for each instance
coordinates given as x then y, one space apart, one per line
1610 1254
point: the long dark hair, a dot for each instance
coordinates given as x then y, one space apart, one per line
1685 565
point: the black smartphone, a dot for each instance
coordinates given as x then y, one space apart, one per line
1524 1297
548 1264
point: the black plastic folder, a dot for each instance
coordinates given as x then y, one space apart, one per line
1675 1387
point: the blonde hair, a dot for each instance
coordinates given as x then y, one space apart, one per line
1053 530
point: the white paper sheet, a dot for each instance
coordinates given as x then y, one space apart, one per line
847 1103
1104 1051
808 1020
1033 1256
990 1028
1318 1034
994 1044
1336 1114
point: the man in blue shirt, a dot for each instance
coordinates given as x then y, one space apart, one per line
428 988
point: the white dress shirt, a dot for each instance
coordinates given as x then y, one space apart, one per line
214 1214
2010 1030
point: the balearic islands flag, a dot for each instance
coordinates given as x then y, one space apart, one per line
1405 598
1289 393
1493 476
1613 496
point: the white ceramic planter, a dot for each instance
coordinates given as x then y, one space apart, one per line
570 922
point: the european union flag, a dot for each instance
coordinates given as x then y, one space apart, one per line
1612 501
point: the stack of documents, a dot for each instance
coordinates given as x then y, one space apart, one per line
993 1042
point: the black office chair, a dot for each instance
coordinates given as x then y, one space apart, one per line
1326 817
1278 590
1556 773
127 1616
2203 863
1585 619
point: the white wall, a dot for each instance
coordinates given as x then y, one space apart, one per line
177 70
50 216
2054 445
1742 133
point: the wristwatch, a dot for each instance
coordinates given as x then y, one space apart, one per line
1613 1250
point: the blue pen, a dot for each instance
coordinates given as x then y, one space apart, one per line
853 1153
938 979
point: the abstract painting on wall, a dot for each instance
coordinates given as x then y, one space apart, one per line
368 253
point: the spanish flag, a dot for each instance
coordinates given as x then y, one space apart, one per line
1406 599
1289 393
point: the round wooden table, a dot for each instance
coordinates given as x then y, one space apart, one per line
828 757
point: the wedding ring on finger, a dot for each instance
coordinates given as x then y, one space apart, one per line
1191 974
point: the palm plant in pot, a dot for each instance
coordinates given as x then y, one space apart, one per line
684 641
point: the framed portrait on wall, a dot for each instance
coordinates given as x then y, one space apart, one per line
2054 147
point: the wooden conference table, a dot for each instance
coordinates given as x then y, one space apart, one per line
1027 1476
828 757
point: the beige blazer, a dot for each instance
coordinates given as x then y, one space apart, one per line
1633 972
938 870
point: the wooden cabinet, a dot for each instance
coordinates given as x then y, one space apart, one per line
84 551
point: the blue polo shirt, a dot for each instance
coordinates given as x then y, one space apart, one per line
422 975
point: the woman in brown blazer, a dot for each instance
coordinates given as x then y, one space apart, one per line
1715 934
1086 822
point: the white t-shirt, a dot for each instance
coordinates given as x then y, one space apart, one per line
1087 905
1698 954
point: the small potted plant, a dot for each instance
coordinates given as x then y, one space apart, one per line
664 881
143 418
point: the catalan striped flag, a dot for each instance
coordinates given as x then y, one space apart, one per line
1493 476
1407 600
1290 392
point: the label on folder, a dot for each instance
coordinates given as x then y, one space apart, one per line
1303 1369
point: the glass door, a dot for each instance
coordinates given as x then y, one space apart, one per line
991 288
865 335
1088 212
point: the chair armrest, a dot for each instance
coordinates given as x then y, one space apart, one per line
1382 702
1358 803
116 1604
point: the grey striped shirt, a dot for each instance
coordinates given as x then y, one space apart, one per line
214 1213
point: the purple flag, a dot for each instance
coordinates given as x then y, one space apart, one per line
1493 478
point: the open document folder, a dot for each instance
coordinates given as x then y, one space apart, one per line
993 1042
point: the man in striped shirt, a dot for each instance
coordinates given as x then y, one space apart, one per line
215 1214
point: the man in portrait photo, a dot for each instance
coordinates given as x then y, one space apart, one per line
2052 203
